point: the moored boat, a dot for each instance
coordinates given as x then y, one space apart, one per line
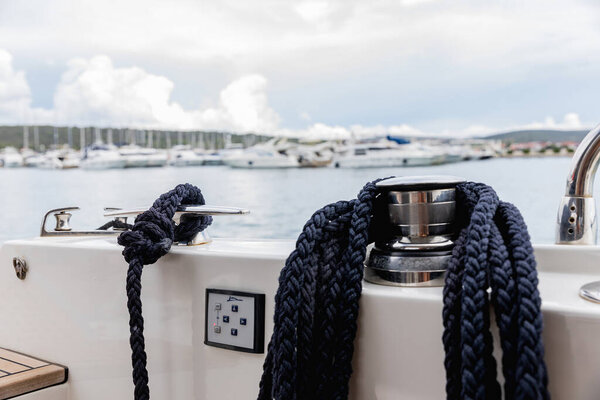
386 154
11 158
185 156
142 157
101 156
273 154
62 158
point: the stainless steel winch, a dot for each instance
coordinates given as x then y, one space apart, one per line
415 228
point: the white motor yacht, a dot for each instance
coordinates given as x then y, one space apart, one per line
141 157
210 157
455 153
185 156
276 153
64 158
101 156
11 158
261 158
32 158
386 154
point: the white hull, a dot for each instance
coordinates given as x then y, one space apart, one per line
34 161
145 161
261 162
386 161
12 160
184 156
140 157
188 162
12 164
102 157
212 159
71 309
103 164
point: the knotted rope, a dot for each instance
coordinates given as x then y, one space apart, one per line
151 237
316 305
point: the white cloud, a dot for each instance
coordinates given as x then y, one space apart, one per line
390 50
318 131
254 31
570 121
15 94
244 105
314 11
94 91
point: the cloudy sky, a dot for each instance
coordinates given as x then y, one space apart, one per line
309 67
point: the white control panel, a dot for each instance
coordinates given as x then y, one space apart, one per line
235 320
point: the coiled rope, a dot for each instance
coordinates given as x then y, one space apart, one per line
151 237
316 306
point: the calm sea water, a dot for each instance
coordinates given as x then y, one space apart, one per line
280 200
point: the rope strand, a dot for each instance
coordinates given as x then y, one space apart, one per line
150 238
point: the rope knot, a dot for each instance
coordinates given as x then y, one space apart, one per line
150 239
139 246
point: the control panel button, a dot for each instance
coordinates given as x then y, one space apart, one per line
217 329
233 332
242 321
234 308
225 318
217 306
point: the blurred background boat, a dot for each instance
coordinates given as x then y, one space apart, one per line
102 156
142 157
11 158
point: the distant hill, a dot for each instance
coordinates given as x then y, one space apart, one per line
542 135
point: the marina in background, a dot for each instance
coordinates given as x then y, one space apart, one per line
280 200
107 148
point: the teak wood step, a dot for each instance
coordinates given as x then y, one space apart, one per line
20 374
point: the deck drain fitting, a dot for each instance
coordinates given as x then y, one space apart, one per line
414 228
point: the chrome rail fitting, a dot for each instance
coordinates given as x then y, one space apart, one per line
576 219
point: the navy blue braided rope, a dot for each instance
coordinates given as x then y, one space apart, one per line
494 251
150 238
316 306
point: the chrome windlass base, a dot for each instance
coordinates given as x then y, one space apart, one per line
430 278
415 220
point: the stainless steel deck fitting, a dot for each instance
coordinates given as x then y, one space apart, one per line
415 228
576 220
182 211
63 224
63 217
